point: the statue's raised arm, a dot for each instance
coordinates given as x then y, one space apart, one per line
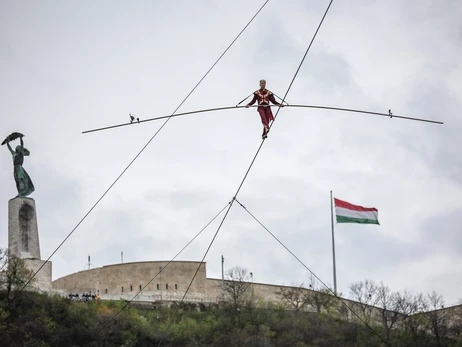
24 184
9 147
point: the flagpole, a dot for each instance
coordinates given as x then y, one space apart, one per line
333 242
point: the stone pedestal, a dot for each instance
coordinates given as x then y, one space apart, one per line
23 239
43 277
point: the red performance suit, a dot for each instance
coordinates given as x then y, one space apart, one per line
264 96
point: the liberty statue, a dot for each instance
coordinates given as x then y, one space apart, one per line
23 182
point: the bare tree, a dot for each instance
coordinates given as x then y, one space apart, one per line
388 307
413 308
15 275
437 316
293 297
3 258
3 264
365 293
237 285
319 298
455 326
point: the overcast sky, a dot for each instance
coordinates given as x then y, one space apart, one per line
70 66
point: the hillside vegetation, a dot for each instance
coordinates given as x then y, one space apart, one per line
48 320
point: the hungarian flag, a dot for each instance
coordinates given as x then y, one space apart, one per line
349 213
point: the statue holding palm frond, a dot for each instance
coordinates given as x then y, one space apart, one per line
23 182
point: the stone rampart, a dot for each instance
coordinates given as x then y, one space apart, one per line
126 280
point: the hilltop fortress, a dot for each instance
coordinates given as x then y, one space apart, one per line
124 281
152 283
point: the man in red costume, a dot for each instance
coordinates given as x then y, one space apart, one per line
264 96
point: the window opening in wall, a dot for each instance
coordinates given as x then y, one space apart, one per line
106 291
122 289
166 286
176 286
157 286
140 286
131 288
26 213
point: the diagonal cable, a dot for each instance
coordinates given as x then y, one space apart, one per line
152 279
303 59
285 95
131 162
306 267
195 274
245 176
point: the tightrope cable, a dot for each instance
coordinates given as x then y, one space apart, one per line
287 105
285 95
242 182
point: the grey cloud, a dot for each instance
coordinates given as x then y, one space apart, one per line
183 198
377 253
438 145
329 70
84 66
443 232
273 42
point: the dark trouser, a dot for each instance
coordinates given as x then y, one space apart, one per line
266 116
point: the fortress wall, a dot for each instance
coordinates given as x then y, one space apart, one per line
206 290
266 291
269 294
124 279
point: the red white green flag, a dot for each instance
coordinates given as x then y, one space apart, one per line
349 213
